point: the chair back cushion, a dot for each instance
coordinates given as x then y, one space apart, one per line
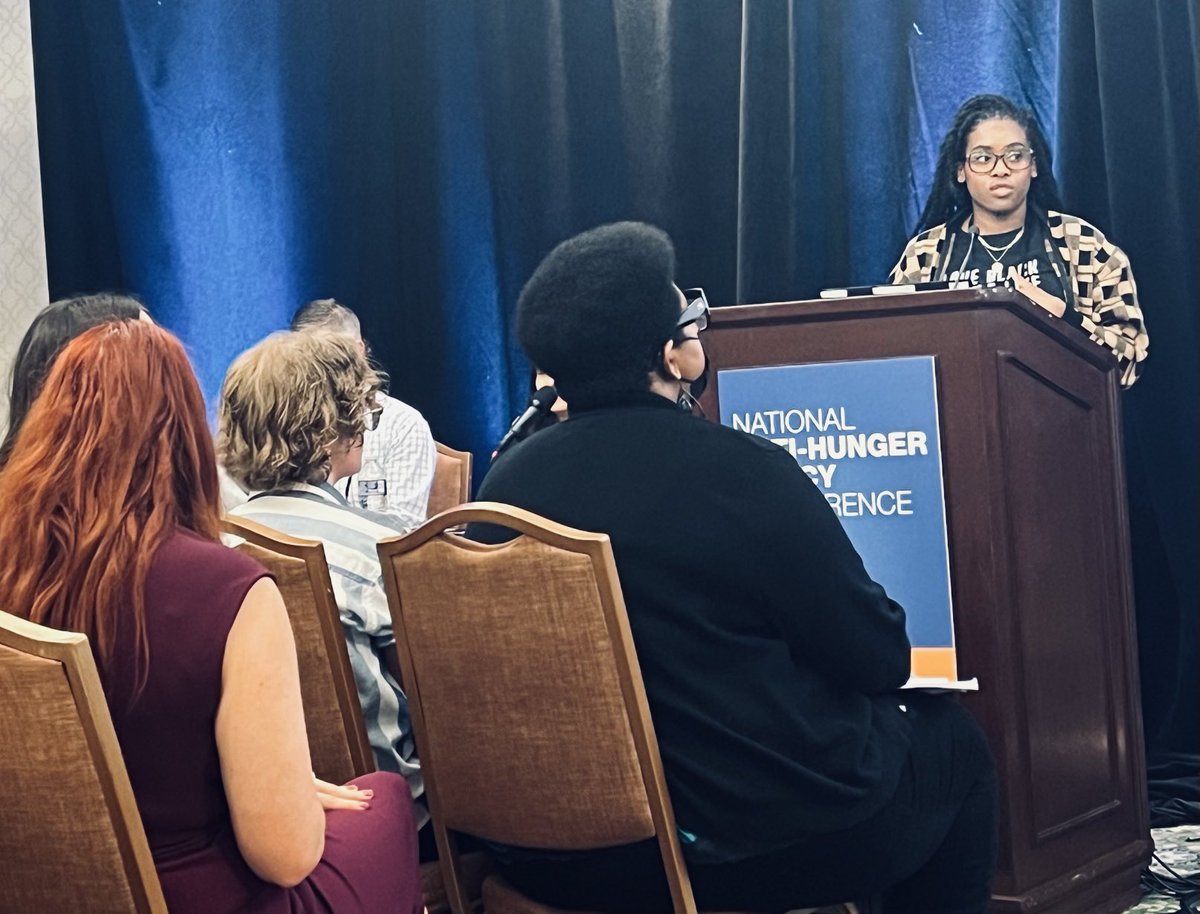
522 724
72 838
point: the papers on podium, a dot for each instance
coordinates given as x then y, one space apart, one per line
941 684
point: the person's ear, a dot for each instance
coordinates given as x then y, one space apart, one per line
961 175
670 361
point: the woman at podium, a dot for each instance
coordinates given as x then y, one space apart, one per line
993 216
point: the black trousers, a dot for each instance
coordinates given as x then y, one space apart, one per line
929 850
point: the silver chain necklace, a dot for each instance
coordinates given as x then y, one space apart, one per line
997 254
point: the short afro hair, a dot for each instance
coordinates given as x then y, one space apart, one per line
598 309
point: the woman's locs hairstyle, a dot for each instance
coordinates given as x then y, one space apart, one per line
948 198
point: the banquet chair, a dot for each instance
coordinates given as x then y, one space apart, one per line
526 696
451 479
337 736
72 838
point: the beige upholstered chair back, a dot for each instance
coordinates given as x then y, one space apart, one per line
525 692
72 838
451 480
337 737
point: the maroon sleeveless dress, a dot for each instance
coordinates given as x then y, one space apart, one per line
194 590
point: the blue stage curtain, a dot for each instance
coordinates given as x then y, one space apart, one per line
417 158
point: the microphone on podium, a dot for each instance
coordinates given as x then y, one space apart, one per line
539 406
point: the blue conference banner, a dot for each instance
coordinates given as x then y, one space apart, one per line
866 433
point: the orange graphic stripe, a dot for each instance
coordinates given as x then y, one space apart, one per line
934 661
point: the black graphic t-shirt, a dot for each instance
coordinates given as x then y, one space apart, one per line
974 265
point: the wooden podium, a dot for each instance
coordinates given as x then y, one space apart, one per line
1039 564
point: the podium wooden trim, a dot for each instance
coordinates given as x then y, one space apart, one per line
1029 409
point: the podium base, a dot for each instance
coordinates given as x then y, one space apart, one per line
1108 885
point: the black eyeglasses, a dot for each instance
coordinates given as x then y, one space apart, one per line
696 311
983 161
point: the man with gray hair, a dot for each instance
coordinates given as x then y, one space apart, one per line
399 455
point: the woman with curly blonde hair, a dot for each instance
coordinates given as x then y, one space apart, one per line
293 410
292 416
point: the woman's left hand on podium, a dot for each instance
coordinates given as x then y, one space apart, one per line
1040 296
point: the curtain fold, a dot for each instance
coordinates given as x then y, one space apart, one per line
1127 162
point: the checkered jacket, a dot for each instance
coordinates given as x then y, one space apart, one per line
1105 293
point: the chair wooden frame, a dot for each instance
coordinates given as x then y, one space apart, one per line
464 460
597 548
341 675
73 652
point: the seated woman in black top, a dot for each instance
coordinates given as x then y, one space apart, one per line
769 655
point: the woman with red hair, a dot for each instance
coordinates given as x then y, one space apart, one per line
109 528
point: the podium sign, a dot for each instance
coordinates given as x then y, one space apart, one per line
866 433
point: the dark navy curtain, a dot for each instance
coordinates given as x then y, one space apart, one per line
1127 161
416 160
